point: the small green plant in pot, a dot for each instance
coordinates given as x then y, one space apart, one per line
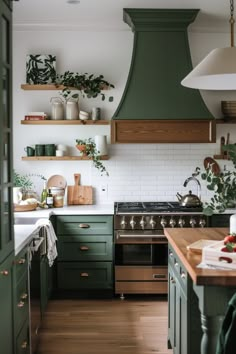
222 185
87 147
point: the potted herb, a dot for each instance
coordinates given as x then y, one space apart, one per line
87 147
23 184
89 85
223 186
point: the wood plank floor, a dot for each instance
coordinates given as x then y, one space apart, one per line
111 326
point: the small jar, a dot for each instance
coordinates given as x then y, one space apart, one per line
58 196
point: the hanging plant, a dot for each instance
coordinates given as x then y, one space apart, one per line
89 85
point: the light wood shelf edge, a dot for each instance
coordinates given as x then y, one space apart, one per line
49 87
66 122
59 158
223 121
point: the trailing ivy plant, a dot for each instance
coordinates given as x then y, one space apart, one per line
223 185
89 85
88 147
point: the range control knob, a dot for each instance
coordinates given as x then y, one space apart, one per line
172 222
142 222
132 222
181 222
202 222
152 222
192 222
163 222
123 222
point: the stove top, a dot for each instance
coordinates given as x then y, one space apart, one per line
153 207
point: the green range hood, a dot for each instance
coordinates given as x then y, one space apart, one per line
161 59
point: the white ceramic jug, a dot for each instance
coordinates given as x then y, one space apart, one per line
101 144
57 108
72 109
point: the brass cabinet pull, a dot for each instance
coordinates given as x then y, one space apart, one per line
84 248
159 276
183 275
172 280
21 261
5 272
171 254
84 274
24 345
84 226
21 304
176 264
24 296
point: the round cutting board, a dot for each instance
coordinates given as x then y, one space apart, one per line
215 168
56 181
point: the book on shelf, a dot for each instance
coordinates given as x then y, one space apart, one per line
36 116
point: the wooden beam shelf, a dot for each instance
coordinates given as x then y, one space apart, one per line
66 122
225 121
60 158
49 87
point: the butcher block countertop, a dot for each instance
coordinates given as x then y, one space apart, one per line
179 239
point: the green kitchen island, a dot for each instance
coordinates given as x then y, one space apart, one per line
197 297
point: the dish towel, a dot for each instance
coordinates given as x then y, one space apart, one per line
49 246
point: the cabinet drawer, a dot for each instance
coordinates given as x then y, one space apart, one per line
21 303
21 263
85 225
81 275
143 287
85 248
22 340
141 273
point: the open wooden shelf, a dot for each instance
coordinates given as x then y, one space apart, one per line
66 122
221 157
60 158
49 87
225 121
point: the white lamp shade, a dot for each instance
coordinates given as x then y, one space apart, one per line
216 72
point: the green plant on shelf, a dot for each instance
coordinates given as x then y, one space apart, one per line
89 85
87 147
24 181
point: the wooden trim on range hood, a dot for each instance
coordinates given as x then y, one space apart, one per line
163 131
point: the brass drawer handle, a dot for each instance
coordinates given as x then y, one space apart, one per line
84 226
24 345
176 264
21 261
5 272
21 304
172 280
159 276
84 274
24 296
183 275
171 254
84 248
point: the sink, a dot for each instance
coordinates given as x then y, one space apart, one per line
25 221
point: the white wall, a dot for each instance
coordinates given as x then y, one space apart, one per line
137 171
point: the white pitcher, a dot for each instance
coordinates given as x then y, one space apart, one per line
101 144
57 108
72 109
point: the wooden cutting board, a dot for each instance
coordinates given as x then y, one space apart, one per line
77 194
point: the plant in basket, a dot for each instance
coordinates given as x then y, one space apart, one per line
87 147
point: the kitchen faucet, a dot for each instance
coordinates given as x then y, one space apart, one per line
193 178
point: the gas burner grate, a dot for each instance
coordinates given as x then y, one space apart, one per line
151 207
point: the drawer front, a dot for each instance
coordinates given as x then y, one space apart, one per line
94 275
22 340
141 273
21 264
85 248
21 303
85 225
141 287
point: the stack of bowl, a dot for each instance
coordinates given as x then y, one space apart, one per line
83 115
228 109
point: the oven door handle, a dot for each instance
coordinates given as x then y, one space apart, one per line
118 235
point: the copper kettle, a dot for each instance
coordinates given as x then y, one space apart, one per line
189 200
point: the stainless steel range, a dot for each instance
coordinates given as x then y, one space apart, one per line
140 244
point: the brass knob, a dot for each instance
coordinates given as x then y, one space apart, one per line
24 345
172 280
24 296
21 304
183 275
5 272
21 261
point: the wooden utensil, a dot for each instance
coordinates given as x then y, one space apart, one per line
210 162
77 194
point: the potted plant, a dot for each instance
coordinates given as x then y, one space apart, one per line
22 184
87 147
223 186
89 85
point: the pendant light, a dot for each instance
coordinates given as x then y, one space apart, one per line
218 70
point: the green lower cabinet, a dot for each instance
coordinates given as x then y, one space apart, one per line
184 323
6 311
81 275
